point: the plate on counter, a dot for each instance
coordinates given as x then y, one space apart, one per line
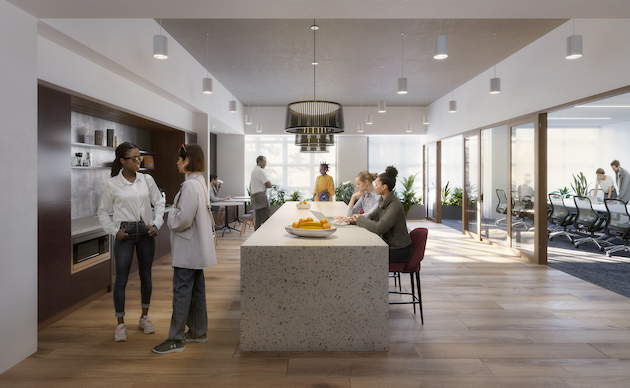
310 232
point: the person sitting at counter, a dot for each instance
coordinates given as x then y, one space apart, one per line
365 200
135 226
388 218
192 250
214 197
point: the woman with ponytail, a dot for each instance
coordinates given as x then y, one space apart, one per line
364 201
135 226
388 219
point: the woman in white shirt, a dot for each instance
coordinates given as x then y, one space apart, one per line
365 200
135 226
606 183
192 250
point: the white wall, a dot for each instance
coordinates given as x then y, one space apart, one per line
539 77
231 164
352 157
18 192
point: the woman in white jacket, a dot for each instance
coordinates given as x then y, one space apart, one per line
192 250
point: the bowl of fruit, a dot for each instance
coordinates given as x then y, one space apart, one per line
303 205
309 228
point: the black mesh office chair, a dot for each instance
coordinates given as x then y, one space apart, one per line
618 224
560 217
502 206
589 221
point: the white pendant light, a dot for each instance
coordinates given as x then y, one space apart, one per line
425 119
368 119
495 83
574 45
408 128
402 81
381 103
248 119
452 105
160 45
259 128
232 106
360 128
207 82
440 45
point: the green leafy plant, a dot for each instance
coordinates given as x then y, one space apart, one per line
456 197
408 195
446 192
295 196
277 195
580 184
344 191
565 192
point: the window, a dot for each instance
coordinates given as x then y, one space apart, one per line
402 152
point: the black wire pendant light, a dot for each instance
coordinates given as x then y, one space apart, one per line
314 122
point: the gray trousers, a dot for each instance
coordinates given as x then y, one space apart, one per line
262 215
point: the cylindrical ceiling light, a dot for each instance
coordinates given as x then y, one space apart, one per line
160 45
495 85
574 45
408 128
425 119
207 85
382 107
232 106
402 81
440 45
258 128
452 106
248 119
360 128
368 119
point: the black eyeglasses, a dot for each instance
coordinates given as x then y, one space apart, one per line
136 159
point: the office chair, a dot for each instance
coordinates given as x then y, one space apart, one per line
589 221
618 224
560 217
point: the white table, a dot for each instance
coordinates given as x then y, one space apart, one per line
313 294
228 203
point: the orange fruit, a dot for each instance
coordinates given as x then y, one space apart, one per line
310 219
296 225
323 221
301 220
326 225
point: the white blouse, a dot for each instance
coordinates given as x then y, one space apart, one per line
367 203
131 201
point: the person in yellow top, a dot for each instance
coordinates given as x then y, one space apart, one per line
324 185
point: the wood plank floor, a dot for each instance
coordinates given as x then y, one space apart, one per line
491 320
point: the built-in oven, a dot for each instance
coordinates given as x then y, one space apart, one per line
89 249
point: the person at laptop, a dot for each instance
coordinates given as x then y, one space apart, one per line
365 200
606 183
388 219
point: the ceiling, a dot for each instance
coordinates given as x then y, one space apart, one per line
604 112
267 62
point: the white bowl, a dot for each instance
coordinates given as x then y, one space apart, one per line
310 232
303 205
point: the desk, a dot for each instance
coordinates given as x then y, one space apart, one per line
227 204
313 294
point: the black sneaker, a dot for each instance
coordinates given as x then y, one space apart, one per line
170 346
201 339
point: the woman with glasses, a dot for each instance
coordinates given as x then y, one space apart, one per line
135 226
192 250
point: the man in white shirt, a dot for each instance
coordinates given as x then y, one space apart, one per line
259 184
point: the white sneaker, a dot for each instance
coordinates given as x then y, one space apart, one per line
121 333
147 325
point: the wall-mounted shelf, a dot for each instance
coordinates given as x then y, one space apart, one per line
92 146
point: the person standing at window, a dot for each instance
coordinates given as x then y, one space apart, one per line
606 183
135 226
259 183
324 185
192 249
623 181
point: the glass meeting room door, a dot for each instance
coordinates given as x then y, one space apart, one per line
522 187
470 197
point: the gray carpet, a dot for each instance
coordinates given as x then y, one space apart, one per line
586 262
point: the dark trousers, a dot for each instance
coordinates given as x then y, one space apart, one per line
189 304
400 255
262 215
144 245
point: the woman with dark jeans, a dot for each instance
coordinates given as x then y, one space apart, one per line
135 226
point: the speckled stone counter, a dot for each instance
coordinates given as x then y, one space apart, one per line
313 294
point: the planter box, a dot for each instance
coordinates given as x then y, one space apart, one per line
451 212
416 212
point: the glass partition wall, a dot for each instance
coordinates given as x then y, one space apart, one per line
431 181
522 187
471 185
494 184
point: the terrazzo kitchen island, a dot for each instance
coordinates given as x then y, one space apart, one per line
313 294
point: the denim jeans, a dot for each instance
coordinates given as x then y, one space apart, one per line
189 304
123 251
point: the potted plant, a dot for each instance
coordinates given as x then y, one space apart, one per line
276 197
580 185
344 191
295 196
413 209
452 206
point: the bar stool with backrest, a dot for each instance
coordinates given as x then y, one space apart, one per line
618 224
561 217
589 221
412 267
248 219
